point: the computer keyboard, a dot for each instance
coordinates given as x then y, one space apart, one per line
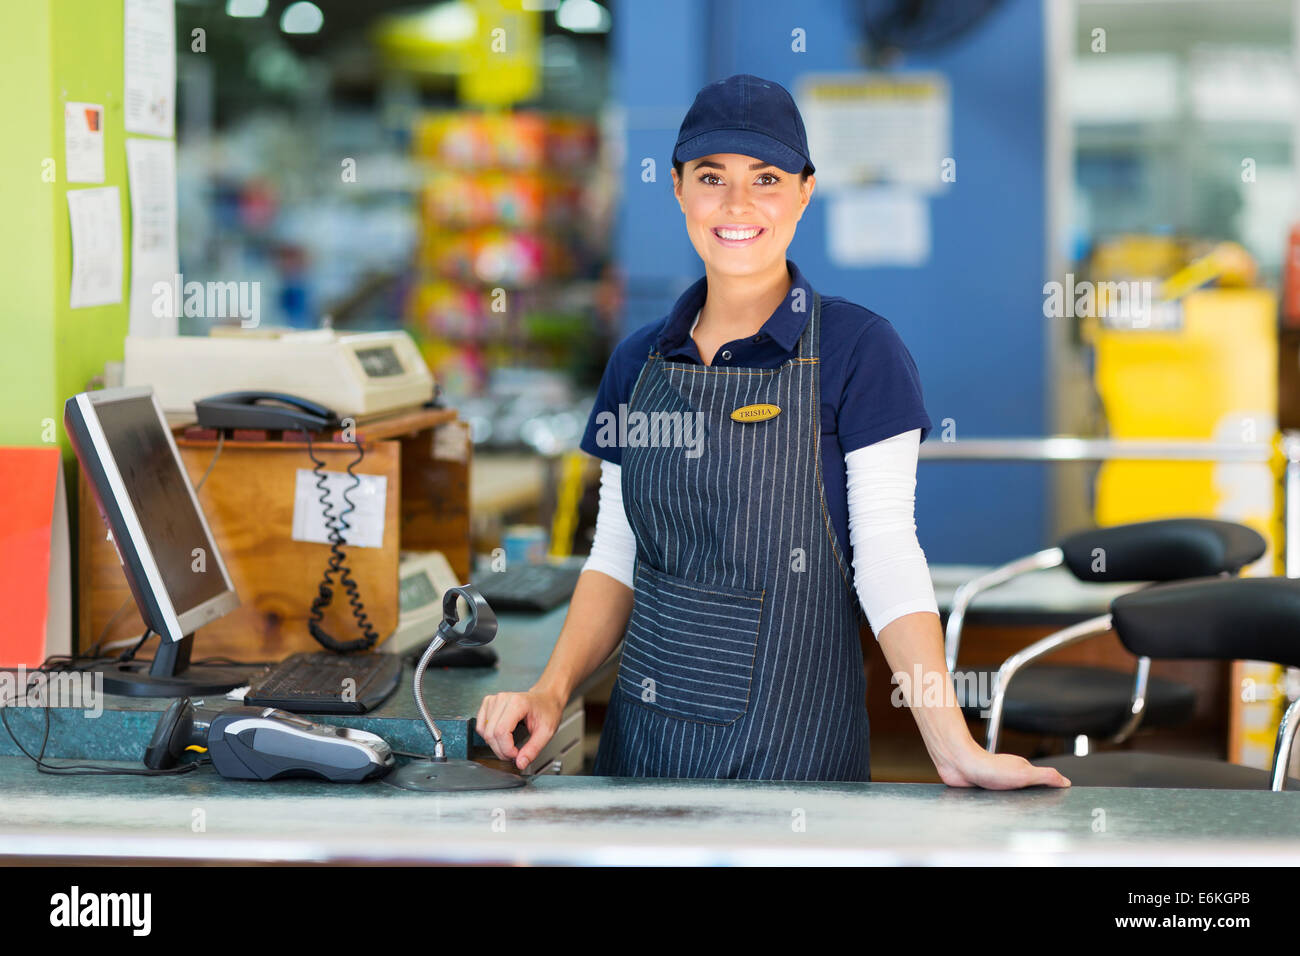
315 683
528 587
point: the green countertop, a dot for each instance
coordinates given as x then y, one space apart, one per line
603 820
580 819
523 645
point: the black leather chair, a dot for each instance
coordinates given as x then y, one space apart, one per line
1210 618
1077 702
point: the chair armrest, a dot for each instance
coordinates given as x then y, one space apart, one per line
1137 705
1285 737
962 597
1073 634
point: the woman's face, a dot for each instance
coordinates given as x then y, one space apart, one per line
740 211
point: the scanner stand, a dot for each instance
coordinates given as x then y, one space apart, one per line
438 773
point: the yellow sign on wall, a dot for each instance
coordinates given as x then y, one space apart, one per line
503 60
1210 376
491 47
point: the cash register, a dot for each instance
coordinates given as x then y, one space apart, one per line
176 572
356 374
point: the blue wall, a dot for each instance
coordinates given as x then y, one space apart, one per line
972 316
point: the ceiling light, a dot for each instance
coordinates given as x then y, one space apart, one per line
454 22
302 17
583 16
245 8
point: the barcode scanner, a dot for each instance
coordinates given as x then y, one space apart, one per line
262 743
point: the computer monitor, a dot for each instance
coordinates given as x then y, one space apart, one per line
170 559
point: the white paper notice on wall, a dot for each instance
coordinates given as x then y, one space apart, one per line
451 442
83 142
366 522
864 128
95 216
151 174
878 226
150 60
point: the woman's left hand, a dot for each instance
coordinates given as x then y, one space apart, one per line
979 768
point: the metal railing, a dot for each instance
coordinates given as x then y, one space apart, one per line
1068 448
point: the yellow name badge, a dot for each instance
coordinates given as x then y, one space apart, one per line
755 413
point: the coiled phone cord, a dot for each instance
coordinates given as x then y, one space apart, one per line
337 524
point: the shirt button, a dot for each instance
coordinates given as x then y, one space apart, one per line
726 356
758 338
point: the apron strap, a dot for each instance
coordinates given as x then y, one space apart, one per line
810 341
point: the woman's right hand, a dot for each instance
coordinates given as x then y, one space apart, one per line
597 617
499 714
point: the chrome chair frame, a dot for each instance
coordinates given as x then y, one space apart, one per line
1092 627
1286 731
1038 561
965 593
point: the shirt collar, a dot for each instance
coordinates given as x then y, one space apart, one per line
785 325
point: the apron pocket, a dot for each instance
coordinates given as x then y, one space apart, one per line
689 648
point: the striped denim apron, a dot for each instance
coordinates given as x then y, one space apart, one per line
741 658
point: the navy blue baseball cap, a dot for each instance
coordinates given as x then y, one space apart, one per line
748 115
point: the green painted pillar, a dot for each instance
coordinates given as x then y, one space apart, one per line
53 52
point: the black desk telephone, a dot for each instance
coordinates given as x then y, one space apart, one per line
278 411
273 411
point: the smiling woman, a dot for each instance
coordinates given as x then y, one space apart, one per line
741 214
737 572
765 178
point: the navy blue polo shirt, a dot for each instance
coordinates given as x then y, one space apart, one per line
870 389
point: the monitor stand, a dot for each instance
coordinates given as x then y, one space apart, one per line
170 674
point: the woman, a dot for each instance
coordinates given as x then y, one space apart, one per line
751 441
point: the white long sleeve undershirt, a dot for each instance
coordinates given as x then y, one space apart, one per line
890 573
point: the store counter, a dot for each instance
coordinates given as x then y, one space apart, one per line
580 819
595 820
